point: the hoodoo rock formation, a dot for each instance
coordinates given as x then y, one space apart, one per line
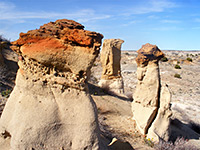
111 78
50 108
151 105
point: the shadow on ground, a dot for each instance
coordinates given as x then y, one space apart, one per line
187 131
95 90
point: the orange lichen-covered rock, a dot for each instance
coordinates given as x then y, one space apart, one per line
148 53
60 44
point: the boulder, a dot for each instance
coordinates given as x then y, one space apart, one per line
151 105
50 107
111 78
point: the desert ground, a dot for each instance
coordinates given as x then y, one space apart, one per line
115 111
115 116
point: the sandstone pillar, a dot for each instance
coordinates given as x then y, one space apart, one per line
111 78
50 108
148 104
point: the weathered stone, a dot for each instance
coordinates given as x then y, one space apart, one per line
160 128
50 104
143 116
147 54
1 57
111 78
8 66
151 105
62 44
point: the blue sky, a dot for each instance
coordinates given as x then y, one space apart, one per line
170 24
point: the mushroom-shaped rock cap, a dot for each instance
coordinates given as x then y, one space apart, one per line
147 53
63 44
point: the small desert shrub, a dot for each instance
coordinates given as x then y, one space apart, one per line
177 76
189 59
6 93
179 144
149 142
127 54
3 39
177 66
164 59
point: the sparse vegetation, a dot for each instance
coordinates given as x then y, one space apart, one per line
6 93
164 59
177 66
179 144
189 59
3 39
149 142
127 54
191 55
177 76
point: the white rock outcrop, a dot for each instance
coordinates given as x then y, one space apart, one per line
151 105
111 78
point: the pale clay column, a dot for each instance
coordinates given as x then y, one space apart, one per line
111 78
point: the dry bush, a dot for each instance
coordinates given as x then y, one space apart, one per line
179 144
177 76
177 66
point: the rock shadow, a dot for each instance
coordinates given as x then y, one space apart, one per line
187 131
96 90
120 145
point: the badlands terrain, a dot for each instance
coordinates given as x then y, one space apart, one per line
116 114
114 111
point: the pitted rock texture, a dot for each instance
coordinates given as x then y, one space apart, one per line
111 78
62 44
148 53
148 106
50 104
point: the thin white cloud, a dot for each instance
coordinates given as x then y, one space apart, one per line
10 13
197 20
196 28
171 21
153 17
167 29
4 7
131 23
152 6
